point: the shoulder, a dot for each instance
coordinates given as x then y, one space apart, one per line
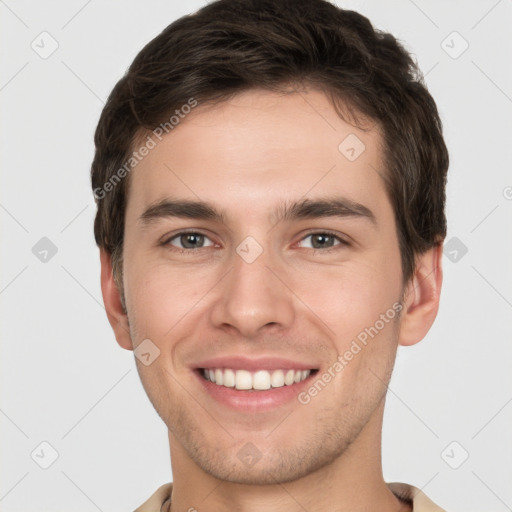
155 501
414 496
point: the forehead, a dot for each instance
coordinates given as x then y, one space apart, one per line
259 147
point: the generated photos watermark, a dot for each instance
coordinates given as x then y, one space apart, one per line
143 151
343 360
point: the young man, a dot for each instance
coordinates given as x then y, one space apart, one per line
270 180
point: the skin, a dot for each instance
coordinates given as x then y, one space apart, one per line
246 156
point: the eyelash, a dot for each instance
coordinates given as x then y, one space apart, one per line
342 241
166 242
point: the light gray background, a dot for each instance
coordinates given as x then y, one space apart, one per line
64 379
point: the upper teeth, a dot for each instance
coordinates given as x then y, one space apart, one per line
261 379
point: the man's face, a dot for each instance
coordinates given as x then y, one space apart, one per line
258 290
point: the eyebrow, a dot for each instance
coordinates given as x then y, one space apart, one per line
323 207
302 209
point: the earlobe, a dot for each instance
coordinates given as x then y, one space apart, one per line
421 300
116 315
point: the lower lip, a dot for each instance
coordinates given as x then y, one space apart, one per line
254 401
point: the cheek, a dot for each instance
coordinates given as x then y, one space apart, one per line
351 297
162 299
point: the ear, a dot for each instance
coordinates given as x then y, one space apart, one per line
421 300
112 299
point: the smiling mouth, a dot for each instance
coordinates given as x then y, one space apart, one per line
261 380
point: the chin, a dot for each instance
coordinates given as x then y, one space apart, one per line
248 466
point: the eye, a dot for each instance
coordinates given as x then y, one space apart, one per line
323 240
188 240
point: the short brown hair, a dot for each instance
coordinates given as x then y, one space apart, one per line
230 46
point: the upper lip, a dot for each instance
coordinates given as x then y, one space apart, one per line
253 364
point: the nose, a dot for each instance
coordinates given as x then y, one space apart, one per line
253 296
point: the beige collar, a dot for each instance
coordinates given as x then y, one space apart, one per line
160 499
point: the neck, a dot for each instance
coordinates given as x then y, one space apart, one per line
353 481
